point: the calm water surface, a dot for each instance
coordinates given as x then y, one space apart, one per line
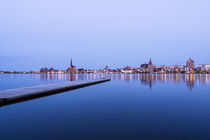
130 107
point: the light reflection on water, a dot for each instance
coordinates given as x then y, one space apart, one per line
190 80
8 81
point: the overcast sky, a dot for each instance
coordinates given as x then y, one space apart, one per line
96 33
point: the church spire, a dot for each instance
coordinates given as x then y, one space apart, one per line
150 61
71 64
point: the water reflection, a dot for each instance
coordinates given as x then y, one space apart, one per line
190 80
72 77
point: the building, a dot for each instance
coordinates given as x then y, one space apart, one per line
204 67
82 70
44 70
127 69
144 66
148 67
72 69
176 69
190 64
106 69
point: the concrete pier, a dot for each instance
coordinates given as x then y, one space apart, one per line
21 94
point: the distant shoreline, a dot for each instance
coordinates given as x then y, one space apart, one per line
96 73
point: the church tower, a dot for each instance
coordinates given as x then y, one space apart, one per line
72 68
71 64
150 61
190 64
150 66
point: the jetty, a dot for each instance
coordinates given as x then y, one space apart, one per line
11 96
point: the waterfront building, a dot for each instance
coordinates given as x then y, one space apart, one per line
81 70
72 68
44 70
177 68
51 70
161 69
150 66
190 64
144 66
61 71
127 69
106 69
204 67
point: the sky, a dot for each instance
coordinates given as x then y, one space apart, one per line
96 33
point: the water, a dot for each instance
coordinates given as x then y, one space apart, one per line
130 107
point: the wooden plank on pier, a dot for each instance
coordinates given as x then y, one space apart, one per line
27 93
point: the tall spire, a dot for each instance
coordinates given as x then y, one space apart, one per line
150 61
71 63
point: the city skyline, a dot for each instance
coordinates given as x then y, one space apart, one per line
114 67
149 67
63 64
189 67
